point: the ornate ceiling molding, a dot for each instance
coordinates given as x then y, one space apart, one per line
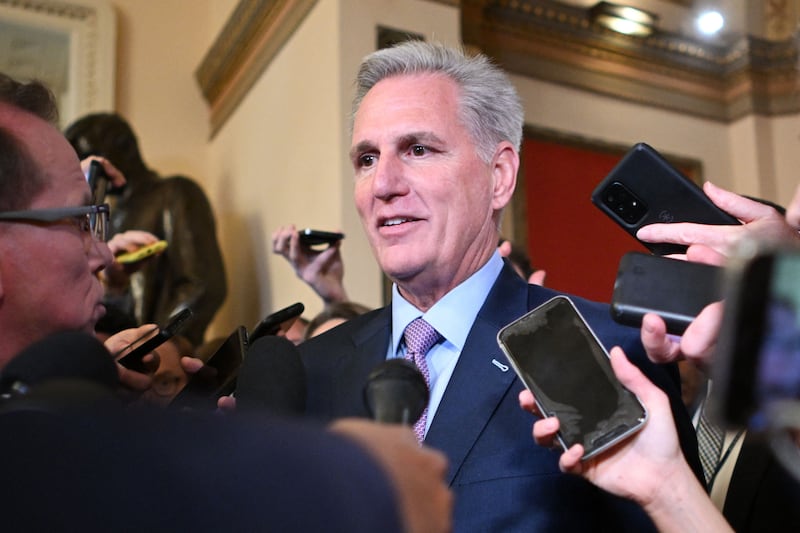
548 40
251 38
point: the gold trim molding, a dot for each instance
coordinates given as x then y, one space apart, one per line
555 42
250 39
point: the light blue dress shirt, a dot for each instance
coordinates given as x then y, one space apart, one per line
452 317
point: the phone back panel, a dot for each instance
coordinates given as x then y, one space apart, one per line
673 289
644 188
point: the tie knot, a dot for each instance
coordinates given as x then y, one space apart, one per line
419 336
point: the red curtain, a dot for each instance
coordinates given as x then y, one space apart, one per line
568 236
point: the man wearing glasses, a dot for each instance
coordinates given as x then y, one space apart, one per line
52 241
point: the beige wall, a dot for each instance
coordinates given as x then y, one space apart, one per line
282 157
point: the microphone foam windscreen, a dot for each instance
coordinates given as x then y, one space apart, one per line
69 354
396 392
272 378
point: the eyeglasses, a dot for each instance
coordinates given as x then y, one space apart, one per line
92 219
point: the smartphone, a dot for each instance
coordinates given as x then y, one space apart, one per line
135 352
217 377
558 358
644 188
314 237
280 320
673 289
142 253
757 358
98 182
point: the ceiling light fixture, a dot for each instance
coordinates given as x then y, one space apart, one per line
710 22
623 19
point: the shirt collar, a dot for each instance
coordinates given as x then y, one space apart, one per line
454 314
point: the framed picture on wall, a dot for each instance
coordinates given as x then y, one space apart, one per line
552 214
68 45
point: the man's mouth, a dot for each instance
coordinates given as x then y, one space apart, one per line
396 221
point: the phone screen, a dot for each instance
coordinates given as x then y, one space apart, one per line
279 321
558 357
217 377
133 353
760 340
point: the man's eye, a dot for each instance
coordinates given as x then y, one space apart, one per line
83 224
419 150
366 160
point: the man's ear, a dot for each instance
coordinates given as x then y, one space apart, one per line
505 165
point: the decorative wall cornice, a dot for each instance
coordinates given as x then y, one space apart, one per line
559 43
251 38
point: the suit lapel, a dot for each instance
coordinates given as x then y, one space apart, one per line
478 384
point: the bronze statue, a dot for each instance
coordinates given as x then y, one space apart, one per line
190 273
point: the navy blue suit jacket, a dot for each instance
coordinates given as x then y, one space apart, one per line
502 480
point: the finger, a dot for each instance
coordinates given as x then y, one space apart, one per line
537 278
226 404
659 346
633 379
191 365
526 401
504 248
700 253
793 210
700 338
545 431
134 380
687 233
570 460
736 205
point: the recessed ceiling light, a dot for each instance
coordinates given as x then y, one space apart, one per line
710 22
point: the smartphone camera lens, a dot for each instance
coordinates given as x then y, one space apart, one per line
624 203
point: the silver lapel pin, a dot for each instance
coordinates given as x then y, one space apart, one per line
500 365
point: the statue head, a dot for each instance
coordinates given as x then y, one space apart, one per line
110 136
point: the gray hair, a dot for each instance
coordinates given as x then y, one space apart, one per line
490 107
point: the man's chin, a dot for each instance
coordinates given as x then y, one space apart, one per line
98 313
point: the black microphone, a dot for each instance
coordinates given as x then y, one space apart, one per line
396 392
64 369
272 378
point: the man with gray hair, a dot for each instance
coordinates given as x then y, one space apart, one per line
435 147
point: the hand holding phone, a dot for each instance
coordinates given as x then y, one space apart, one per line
560 360
132 355
217 377
279 321
673 289
644 188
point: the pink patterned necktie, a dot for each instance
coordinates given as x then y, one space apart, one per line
419 336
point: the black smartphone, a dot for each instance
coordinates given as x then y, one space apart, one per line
98 182
217 377
280 320
757 358
133 353
673 289
315 237
644 188
558 358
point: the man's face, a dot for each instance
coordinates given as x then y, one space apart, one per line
48 272
425 198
